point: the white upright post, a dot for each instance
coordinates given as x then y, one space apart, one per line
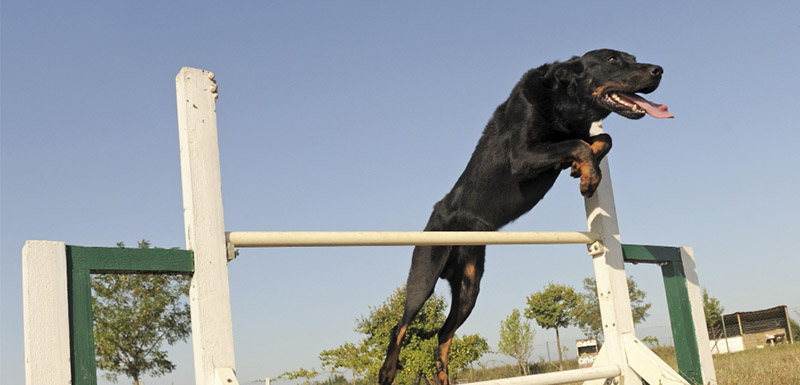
212 332
45 310
609 269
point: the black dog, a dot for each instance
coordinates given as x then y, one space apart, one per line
540 130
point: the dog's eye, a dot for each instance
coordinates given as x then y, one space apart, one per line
612 59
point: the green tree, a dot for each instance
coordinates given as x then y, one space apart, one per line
334 379
417 359
794 328
516 340
555 307
713 313
134 314
652 341
463 352
347 356
303 373
589 319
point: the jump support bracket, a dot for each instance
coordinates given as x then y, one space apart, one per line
596 248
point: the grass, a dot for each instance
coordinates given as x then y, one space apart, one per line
779 365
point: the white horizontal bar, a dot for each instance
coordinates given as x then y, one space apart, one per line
403 238
561 377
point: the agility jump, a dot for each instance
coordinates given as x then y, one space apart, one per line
49 349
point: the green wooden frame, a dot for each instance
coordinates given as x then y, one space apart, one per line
84 261
680 311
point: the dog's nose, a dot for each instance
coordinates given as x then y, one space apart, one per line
656 70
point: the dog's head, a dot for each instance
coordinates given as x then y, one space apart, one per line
609 80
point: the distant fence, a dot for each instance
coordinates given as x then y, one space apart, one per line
752 329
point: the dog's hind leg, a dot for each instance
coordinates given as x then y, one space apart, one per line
426 264
465 285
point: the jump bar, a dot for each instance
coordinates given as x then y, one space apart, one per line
562 377
404 238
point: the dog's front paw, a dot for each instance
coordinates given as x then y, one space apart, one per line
575 170
589 183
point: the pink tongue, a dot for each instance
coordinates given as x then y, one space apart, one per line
652 109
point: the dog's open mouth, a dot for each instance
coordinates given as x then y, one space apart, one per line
622 101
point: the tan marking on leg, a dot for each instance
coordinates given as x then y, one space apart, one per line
442 378
401 334
444 348
441 363
469 272
600 145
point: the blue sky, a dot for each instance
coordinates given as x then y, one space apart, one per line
360 116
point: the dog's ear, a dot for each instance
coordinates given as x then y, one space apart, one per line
566 75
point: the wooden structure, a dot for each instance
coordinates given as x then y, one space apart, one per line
757 328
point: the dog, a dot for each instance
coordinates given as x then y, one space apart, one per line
540 130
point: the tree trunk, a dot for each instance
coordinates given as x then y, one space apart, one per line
523 367
558 346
